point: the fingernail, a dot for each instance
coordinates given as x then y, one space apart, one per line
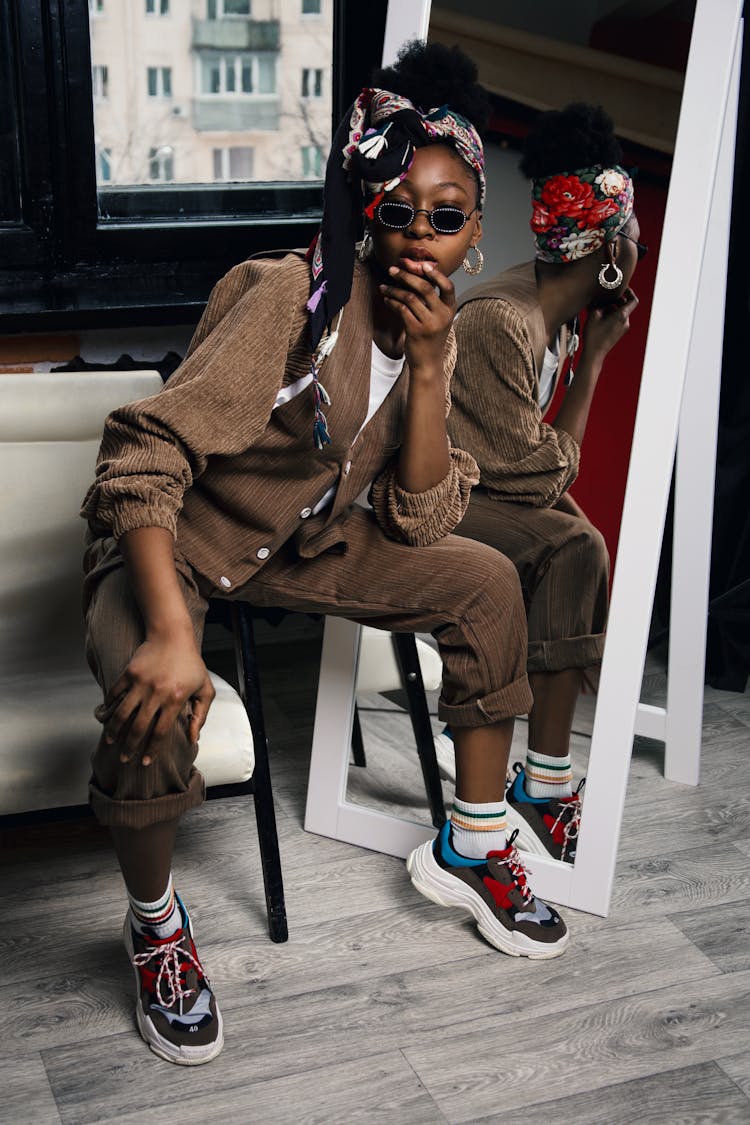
427 267
393 270
124 759
145 761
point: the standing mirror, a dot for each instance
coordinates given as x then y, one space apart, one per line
676 123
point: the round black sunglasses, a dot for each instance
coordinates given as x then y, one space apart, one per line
398 216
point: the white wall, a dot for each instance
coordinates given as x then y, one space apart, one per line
507 238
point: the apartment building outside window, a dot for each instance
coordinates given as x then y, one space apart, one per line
157 7
96 7
161 164
159 81
312 163
229 9
100 82
311 7
234 163
104 165
312 83
238 74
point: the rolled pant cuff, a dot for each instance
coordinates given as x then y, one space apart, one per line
505 703
144 813
567 652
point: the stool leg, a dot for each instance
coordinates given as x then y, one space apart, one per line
358 746
247 666
407 658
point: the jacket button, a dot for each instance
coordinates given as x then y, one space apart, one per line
347 467
305 513
225 582
263 553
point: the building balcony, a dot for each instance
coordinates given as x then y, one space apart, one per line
236 35
215 113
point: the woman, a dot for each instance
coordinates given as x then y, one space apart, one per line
515 335
304 383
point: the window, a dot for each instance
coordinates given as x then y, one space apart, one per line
238 74
122 221
312 83
104 165
234 163
312 163
159 80
96 7
100 82
311 7
228 9
157 7
161 164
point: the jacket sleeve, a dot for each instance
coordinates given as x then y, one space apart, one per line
217 402
496 414
421 518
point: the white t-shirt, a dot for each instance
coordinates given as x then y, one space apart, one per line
384 372
547 374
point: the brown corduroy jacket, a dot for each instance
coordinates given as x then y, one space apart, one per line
209 458
495 414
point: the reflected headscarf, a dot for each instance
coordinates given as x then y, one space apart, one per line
574 213
374 146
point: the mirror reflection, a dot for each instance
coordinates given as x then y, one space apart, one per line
551 347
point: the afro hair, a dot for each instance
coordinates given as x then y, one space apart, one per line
562 140
432 75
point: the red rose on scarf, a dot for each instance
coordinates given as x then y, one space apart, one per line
567 195
542 219
596 214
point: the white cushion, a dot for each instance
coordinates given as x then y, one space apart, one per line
50 428
378 670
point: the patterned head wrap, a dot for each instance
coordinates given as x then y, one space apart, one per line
574 213
374 145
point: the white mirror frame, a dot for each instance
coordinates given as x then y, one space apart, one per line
680 387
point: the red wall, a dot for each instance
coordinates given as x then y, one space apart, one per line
600 487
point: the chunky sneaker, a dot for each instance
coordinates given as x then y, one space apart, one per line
176 1010
545 827
495 891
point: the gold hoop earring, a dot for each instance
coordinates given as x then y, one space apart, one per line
364 250
478 266
605 284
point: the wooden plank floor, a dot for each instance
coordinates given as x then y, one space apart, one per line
383 1007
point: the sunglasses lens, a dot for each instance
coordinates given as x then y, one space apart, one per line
448 220
397 216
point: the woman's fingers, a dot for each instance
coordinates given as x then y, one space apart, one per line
201 704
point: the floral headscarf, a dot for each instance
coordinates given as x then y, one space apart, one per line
574 213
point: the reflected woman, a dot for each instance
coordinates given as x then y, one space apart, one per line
515 334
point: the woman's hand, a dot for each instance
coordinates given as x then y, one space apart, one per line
165 674
425 300
606 326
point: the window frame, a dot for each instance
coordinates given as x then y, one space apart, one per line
154 254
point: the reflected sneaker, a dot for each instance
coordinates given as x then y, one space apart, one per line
545 827
176 1010
494 891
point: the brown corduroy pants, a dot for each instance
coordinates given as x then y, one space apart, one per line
465 593
563 566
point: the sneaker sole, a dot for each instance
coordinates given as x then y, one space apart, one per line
182 1056
444 889
527 839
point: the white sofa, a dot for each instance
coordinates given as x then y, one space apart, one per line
50 429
